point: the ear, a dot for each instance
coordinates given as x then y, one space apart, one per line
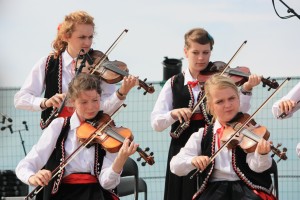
185 50
71 102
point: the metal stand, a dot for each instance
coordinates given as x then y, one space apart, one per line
13 131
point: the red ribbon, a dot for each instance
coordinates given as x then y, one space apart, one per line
193 83
220 134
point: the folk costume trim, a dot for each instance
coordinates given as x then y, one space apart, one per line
58 180
50 63
210 170
243 177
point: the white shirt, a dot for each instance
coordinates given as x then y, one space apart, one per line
181 164
29 96
83 162
298 150
294 95
161 115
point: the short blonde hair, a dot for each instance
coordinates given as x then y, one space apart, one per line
217 81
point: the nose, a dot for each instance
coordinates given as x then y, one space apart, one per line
88 41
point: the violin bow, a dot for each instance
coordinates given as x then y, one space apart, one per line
242 126
65 162
105 55
184 125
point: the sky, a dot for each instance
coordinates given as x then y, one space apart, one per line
155 31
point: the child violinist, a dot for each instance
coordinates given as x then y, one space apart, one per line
94 172
51 74
233 174
176 100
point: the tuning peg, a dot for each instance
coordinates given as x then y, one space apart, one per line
283 154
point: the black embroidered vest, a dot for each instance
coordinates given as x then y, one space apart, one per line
182 98
258 181
58 155
53 83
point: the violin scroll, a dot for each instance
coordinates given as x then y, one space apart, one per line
148 158
271 83
276 151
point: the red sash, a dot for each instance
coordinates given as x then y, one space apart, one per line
264 196
79 179
66 112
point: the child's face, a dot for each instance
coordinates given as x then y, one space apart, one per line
87 104
225 103
81 38
198 56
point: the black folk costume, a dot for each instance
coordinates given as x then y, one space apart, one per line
177 93
251 185
182 97
84 177
50 76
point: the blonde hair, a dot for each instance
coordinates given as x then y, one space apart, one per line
198 35
217 82
83 82
67 27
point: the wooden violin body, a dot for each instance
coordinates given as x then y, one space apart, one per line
239 74
247 135
112 71
111 137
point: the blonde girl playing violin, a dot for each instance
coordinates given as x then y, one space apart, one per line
234 174
94 172
51 74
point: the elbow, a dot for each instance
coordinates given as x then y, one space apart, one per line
156 128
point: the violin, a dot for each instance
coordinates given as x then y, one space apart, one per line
112 71
111 137
239 75
248 137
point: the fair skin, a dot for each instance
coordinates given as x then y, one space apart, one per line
87 106
82 38
198 57
286 106
224 105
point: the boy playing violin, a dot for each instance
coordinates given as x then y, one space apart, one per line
233 174
94 172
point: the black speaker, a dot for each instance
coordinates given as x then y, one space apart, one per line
172 66
10 185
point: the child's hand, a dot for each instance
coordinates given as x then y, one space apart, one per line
42 178
181 114
200 162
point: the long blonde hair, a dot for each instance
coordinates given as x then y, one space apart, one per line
67 27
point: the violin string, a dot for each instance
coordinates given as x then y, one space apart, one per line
242 126
109 50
